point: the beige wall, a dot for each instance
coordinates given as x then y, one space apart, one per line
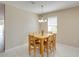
18 23
68 26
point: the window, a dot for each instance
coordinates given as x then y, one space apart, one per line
52 24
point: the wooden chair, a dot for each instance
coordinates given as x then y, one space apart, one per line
34 43
50 44
47 44
54 37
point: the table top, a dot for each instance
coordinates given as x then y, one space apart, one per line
40 36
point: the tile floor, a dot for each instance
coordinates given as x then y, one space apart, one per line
61 51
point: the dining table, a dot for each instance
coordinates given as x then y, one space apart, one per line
41 38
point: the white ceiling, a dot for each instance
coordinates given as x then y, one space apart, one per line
49 6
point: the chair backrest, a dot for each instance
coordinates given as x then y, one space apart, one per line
49 39
54 36
31 39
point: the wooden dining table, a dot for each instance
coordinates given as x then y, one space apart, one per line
42 38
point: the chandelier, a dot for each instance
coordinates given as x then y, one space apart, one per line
41 18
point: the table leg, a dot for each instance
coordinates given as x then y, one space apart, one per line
42 48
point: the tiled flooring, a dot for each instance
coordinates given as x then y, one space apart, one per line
61 51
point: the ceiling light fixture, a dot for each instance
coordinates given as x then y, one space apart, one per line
41 18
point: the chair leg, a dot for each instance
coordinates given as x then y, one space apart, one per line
29 50
55 47
47 50
34 51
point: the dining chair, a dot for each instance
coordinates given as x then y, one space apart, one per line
47 44
34 43
54 37
52 43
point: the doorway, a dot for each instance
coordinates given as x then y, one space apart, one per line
2 47
1 35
